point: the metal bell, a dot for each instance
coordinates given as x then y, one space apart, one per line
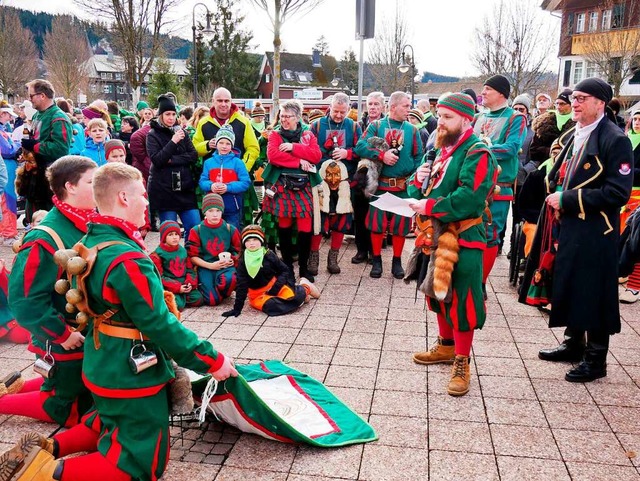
62 286
76 265
70 308
73 296
62 256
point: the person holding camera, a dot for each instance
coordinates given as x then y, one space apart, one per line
293 153
171 185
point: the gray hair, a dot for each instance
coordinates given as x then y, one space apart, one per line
340 98
396 97
293 106
376 95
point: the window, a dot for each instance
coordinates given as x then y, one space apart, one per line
120 90
119 76
592 70
617 20
570 18
107 89
578 68
580 22
615 66
287 74
267 78
566 78
593 21
104 75
180 78
93 88
606 20
303 77
635 68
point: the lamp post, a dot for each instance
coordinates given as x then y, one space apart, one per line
207 30
404 67
337 78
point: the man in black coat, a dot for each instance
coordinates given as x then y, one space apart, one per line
588 184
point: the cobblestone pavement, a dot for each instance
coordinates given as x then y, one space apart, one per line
520 421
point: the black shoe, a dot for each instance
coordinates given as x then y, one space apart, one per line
484 292
586 372
360 257
563 353
376 267
396 268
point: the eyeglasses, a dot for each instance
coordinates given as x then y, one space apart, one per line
579 98
561 103
33 95
286 117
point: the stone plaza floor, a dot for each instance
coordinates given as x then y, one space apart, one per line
519 421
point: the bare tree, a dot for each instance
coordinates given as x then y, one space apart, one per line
66 54
514 41
615 50
386 54
18 53
279 11
136 26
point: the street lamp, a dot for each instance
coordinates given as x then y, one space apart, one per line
404 67
207 30
337 78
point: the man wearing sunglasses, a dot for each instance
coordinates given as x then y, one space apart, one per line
588 184
51 128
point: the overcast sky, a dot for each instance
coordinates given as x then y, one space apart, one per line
440 31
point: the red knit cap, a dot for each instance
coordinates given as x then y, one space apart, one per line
460 103
167 227
113 144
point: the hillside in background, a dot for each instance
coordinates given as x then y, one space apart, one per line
436 78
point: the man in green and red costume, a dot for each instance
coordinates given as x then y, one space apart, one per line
131 439
503 130
400 162
175 267
459 182
63 398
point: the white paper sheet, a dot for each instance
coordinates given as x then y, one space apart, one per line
390 203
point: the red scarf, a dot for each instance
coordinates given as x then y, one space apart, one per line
78 217
127 227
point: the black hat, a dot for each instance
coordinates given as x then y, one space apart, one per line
499 83
596 87
471 93
564 95
165 104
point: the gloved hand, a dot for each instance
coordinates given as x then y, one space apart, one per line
29 144
275 289
233 312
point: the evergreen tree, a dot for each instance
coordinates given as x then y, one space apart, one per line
230 65
349 66
163 80
322 45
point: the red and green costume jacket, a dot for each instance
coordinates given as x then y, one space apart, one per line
125 280
207 241
32 299
462 179
507 130
399 135
174 266
344 135
53 131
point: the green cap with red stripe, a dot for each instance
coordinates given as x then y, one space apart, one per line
460 103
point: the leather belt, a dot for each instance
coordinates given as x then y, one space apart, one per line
463 225
122 332
394 182
505 184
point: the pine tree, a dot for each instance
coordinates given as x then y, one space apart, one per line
163 80
349 66
322 45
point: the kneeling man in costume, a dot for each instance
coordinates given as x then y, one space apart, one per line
456 188
127 364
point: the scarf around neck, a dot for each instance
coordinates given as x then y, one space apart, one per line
635 138
562 119
78 217
292 136
127 227
253 261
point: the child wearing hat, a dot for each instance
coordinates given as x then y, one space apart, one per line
266 280
115 151
225 173
175 267
214 247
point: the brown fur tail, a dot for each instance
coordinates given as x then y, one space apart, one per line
170 301
446 257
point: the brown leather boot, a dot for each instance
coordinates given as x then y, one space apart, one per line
11 384
460 377
313 263
439 353
38 465
332 261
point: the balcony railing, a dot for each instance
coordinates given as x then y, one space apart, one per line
612 41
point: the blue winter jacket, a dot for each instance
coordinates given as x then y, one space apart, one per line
95 152
231 170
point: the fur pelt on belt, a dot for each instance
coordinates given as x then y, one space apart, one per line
368 170
441 241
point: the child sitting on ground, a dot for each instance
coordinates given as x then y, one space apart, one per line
224 173
214 246
98 132
266 280
175 267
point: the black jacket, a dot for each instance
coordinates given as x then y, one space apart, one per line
585 273
171 185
